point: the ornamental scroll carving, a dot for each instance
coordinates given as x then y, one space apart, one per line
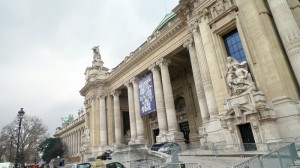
238 77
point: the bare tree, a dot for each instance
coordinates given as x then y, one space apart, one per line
33 131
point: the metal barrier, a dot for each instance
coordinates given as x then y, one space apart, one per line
223 148
253 162
177 165
280 158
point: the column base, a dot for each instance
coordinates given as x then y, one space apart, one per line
162 137
175 137
132 142
141 140
211 131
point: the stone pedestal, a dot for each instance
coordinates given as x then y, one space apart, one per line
162 137
175 137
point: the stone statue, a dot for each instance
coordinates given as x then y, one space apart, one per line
97 62
66 120
238 77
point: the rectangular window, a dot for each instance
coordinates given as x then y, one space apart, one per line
234 46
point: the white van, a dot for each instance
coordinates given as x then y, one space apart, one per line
6 165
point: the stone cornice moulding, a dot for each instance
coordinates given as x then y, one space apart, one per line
148 49
174 46
116 92
69 127
92 85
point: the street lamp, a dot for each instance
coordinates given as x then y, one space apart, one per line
20 116
11 141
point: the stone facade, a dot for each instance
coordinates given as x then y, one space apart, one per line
202 93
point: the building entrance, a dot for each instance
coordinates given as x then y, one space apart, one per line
247 137
184 128
126 122
155 133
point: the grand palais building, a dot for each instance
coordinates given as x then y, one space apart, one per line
212 71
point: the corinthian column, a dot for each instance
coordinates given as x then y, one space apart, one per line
189 44
117 117
139 120
289 32
206 79
103 128
168 95
131 112
160 104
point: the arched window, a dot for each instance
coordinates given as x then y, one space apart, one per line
179 104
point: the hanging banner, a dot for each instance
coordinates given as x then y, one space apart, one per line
146 95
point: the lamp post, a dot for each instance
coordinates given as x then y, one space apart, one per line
11 141
20 116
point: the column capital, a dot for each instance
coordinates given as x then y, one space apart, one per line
127 84
193 27
116 92
134 80
102 95
189 42
163 61
152 67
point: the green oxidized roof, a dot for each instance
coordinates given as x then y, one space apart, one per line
166 19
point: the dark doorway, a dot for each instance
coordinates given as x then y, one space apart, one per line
126 122
155 133
247 137
184 128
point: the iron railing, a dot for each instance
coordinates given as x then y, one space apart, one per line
280 158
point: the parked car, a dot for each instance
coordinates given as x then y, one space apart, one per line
6 165
114 165
105 155
170 148
156 147
78 165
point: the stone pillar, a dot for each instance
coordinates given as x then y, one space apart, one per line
75 142
206 79
78 144
189 44
168 95
289 32
139 120
102 125
160 104
131 113
86 119
173 132
72 143
117 118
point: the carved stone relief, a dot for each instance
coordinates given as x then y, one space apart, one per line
85 140
238 77
220 7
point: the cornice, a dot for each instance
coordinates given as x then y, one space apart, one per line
72 125
147 48
92 85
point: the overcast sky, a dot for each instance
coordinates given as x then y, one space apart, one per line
45 46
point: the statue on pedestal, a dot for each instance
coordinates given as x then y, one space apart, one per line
238 77
97 62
